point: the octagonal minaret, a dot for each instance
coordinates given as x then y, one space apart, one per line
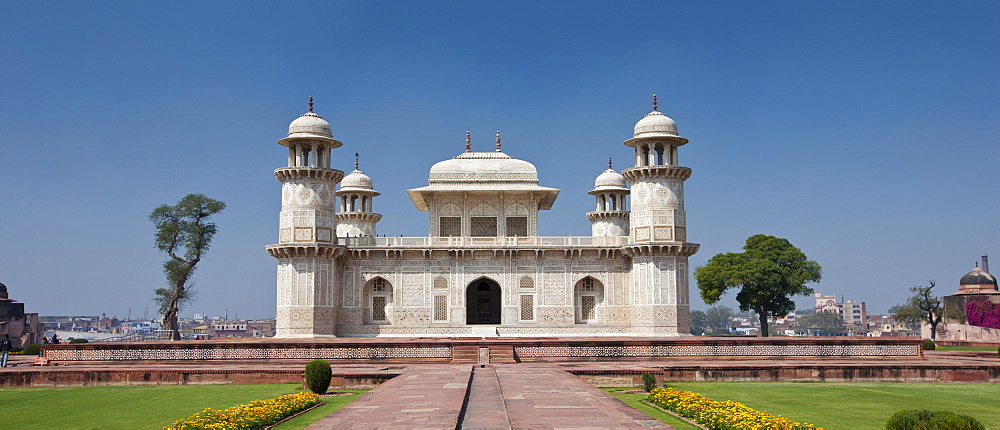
356 218
657 229
307 240
610 218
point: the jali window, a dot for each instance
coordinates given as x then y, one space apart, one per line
440 308
527 307
517 226
450 226
378 308
483 226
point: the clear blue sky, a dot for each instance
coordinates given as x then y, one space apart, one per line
864 132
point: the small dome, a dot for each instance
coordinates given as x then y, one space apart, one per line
309 124
3 288
978 276
356 180
609 179
655 123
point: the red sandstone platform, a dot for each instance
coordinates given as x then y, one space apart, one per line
498 349
369 361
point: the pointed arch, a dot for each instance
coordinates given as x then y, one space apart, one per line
378 296
588 295
482 301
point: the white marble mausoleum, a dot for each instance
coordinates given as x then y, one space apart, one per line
483 268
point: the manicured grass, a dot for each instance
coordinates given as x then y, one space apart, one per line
966 348
854 405
331 406
142 407
635 400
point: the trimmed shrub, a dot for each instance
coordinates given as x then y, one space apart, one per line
78 340
648 382
31 349
318 376
929 345
921 419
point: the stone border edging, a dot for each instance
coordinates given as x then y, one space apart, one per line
689 421
321 403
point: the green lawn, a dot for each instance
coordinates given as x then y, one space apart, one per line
141 407
966 348
854 405
635 401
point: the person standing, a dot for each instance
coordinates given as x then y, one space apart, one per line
5 346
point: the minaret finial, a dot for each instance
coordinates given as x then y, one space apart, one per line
468 141
355 161
654 102
609 164
310 102
498 140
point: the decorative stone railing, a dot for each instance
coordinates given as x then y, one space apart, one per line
485 242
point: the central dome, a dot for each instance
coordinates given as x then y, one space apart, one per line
309 124
655 124
479 167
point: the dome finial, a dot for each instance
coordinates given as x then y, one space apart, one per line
609 164
310 102
498 140
654 102
355 161
468 141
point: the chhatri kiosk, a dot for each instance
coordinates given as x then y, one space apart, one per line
483 267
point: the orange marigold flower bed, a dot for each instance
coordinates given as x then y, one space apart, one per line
257 414
727 415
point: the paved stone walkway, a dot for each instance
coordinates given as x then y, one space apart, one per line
519 396
426 396
485 407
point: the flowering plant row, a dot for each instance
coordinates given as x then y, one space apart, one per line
983 313
257 414
727 415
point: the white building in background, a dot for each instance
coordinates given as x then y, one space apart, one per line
483 268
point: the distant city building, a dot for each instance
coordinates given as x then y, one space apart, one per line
855 314
229 328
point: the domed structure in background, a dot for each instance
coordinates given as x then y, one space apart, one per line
978 284
23 328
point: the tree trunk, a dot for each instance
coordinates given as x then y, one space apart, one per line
170 316
762 315
931 321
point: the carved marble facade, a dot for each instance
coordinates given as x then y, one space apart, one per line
483 265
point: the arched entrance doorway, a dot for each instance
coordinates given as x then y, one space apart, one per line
482 302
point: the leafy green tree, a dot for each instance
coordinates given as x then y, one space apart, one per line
718 318
698 322
922 307
827 322
768 272
184 232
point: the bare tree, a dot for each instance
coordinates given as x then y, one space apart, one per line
921 307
